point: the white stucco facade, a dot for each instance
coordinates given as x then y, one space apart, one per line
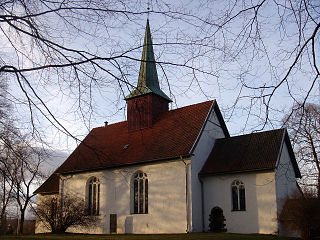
286 185
41 226
167 211
265 192
211 131
260 215
285 177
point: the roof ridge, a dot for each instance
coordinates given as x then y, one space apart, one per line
254 133
113 124
213 100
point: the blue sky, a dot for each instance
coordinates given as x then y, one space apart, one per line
216 65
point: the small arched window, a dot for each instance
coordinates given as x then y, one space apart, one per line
140 193
238 196
93 196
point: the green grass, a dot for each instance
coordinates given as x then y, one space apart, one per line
192 236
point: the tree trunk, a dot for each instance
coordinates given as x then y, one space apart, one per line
3 224
318 187
21 222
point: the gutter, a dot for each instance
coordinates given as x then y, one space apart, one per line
202 204
125 165
239 171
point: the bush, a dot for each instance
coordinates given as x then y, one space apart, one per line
59 214
302 213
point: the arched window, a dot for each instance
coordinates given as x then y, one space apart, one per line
93 196
238 196
140 193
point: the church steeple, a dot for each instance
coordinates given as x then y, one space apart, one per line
147 102
148 78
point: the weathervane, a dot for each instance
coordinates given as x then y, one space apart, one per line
148 8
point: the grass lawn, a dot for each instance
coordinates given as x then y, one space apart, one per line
191 236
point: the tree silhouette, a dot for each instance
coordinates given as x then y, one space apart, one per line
253 52
57 214
304 128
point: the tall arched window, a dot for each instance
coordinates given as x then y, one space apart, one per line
238 196
140 193
93 196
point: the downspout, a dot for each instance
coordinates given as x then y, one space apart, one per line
202 204
60 194
186 190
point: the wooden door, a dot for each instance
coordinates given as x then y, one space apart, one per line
113 223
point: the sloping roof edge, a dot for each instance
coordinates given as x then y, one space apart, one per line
291 154
221 120
54 182
214 107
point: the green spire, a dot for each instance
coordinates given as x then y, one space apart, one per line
148 78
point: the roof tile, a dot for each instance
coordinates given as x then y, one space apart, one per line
256 151
171 136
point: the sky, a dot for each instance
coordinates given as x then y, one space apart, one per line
231 60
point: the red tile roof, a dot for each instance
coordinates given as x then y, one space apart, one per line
171 136
51 185
251 152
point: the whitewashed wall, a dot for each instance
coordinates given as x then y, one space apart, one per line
211 131
261 208
166 198
40 226
286 185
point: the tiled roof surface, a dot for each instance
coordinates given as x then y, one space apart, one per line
171 136
51 185
256 151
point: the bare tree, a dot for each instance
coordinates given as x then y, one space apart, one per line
7 185
26 173
302 214
252 52
20 167
304 127
6 195
57 214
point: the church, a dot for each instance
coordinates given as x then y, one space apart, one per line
176 171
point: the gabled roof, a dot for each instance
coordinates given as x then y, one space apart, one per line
251 152
172 136
148 78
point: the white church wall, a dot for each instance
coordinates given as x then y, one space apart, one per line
286 185
285 176
40 226
211 131
166 198
260 215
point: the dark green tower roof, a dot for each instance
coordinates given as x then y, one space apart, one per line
148 78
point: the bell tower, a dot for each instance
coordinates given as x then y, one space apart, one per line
147 101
